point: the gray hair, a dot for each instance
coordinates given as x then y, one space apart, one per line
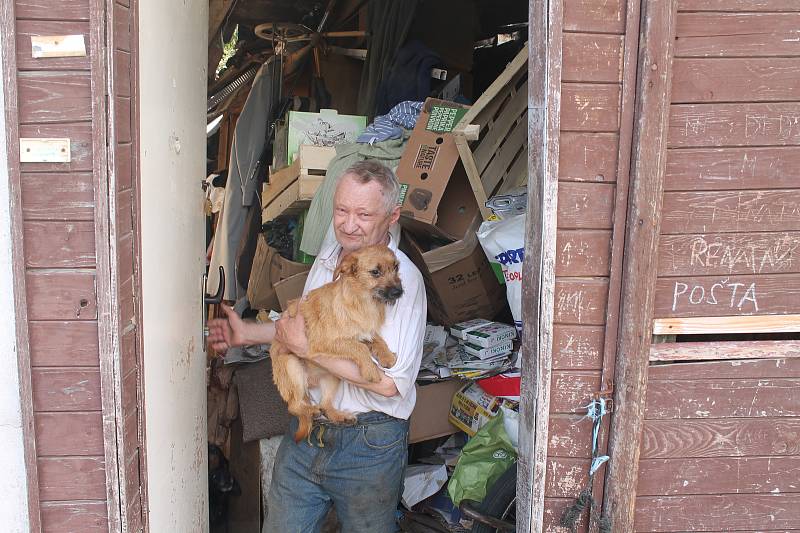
370 170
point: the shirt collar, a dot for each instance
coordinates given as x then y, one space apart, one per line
329 257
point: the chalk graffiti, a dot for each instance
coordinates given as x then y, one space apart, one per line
723 293
755 256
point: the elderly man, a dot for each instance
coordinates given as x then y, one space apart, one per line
357 468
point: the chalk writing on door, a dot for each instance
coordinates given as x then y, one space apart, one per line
732 295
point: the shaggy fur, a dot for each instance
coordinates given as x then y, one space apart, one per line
343 319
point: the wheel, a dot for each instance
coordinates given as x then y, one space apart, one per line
500 502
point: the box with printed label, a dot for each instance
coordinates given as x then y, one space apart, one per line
482 352
472 408
460 330
491 334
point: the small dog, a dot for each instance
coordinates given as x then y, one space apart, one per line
343 319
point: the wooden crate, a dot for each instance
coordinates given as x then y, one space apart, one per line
492 136
291 189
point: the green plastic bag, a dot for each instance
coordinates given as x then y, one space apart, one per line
483 460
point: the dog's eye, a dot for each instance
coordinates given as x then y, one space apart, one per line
375 272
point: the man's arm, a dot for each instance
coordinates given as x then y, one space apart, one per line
232 331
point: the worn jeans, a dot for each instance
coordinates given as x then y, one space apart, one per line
357 468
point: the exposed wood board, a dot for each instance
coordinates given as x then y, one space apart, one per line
591 107
704 351
727 511
80 135
729 253
736 80
128 351
123 166
54 97
59 245
128 397
499 128
122 73
61 295
739 124
722 398
62 389
27 28
566 478
545 20
731 211
583 253
570 436
571 390
125 258
737 34
581 301
126 304
83 516
735 295
577 347
63 343
593 16
729 437
592 58
77 10
59 434
738 5
122 28
726 324
719 475
72 478
124 213
473 176
585 205
122 119
648 161
732 168
499 168
588 157
57 196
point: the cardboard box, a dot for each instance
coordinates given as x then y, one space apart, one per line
269 268
472 407
459 281
430 418
436 196
290 288
291 189
326 128
491 334
460 330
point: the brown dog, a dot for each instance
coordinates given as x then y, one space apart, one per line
343 319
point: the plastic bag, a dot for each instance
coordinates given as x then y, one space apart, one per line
503 241
483 460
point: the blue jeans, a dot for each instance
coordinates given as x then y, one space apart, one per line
357 468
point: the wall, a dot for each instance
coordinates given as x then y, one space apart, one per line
14 504
172 63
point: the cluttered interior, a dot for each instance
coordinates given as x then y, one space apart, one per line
437 92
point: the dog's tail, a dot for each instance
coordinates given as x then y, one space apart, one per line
303 427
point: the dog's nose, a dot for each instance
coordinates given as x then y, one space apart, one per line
395 292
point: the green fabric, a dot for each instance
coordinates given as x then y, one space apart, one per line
320 213
483 460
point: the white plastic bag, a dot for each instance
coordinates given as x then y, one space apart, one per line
503 241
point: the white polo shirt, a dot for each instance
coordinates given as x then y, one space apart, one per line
403 331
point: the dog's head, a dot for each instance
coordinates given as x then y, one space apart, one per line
375 269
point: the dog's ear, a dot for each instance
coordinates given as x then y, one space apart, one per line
347 267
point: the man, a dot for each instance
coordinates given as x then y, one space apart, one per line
358 468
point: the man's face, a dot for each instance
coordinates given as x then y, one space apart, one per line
359 214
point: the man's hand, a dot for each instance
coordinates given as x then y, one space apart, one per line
232 331
291 331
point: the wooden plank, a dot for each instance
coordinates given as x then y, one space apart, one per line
727 324
588 157
581 301
737 34
592 58
585 205
77 10
707 512
639 265
66 389
577 347
590 107
571 390
54 97
566 478
83 516
722 398
125 258
570 436
123 166
732 169
719 475
729 253
731 211
499 127
719 125
57 196
777 294
122 73
125 213
122 119
738 5
72 478
28 28
593 16
127 356
63 343
80 135
59 245
553 511
61 295
513 146
728 437
122 28
59 434
583 253
735 80
784 351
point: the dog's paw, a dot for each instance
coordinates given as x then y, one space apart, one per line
388 360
